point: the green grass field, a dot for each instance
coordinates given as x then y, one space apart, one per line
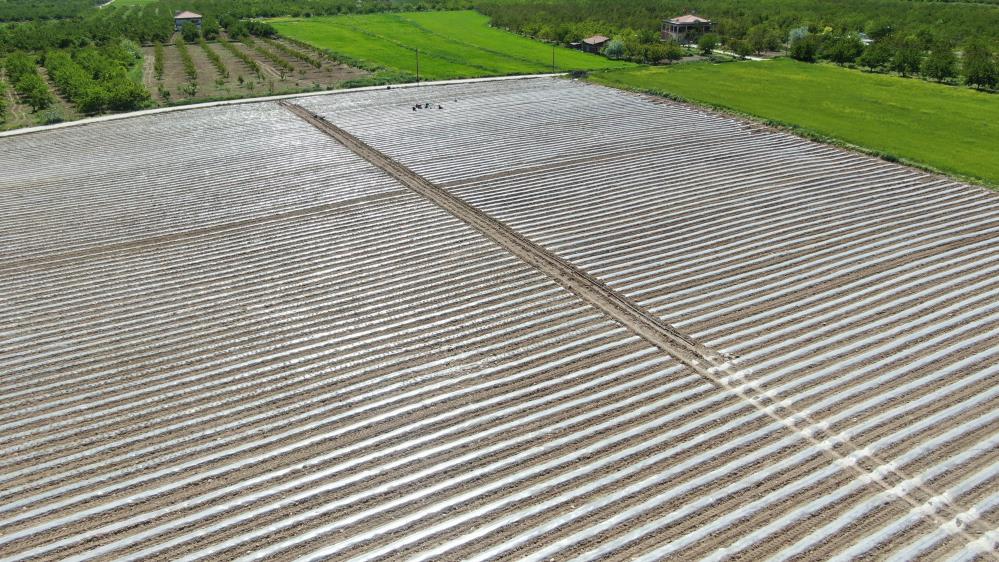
451 44
954 130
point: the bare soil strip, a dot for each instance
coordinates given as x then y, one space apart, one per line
713 365
667 338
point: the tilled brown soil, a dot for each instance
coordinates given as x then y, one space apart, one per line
212 84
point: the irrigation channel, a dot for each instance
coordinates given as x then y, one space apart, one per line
721 369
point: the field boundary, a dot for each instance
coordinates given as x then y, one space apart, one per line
219 103
799 131
719 368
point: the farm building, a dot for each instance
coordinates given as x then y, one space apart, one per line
685 28
181 18
345 329
593 44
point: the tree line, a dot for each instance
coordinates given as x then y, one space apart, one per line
910 37
24 10
761 22
153 23
922 55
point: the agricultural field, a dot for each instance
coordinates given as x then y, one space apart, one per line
548 320
260 74
20 114
955 130
451 44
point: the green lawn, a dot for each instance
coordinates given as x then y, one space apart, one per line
451 44
952 129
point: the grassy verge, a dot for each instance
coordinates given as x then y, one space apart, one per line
451 44
937 127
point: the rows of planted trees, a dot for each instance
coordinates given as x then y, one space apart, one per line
97 79
20 70
90 49
22 10
153 22
567 21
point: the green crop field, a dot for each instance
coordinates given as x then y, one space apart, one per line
955 130
451 44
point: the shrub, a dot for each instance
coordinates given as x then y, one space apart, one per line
260 29
50 116
707 43
158 60
674 51
185 58
796 34
614 49
741 48
236 30
189 32
209 28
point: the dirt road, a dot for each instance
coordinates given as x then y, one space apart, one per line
667 338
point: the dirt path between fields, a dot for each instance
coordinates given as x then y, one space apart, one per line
715 366
592 290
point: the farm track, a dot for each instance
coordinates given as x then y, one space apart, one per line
284 351
663 336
